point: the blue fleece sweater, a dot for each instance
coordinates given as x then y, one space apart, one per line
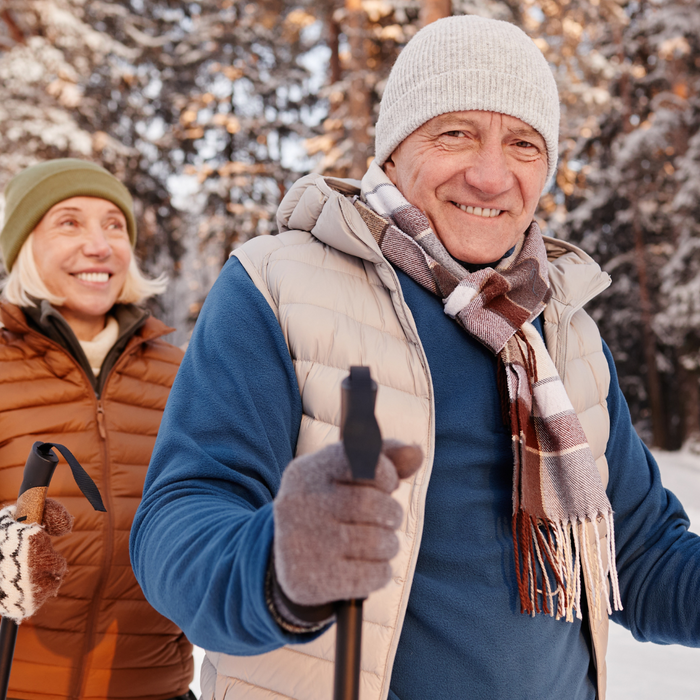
203 532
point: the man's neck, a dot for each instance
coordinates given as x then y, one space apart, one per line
475 267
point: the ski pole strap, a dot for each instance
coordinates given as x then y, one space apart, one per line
86 485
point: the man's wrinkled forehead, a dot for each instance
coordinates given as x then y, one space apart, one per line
476 119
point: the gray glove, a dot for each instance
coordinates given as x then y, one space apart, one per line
334 537
31 570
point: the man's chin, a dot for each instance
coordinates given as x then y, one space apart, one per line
483 254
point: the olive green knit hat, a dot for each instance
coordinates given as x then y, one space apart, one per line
32 192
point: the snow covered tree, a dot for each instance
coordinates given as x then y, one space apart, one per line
364 38
209 110
678 323
628 206
212 97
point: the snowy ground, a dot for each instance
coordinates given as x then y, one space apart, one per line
644 671
198 656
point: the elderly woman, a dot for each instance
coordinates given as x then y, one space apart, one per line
81 363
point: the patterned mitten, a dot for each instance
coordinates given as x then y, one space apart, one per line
334 537
31 570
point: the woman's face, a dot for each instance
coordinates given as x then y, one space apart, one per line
82 252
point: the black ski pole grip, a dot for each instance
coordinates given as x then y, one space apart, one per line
360 433
36 478
38 470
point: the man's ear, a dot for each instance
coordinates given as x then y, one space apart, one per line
389 168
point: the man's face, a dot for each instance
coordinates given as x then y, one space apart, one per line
477 176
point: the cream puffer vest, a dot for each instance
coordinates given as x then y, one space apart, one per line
339 303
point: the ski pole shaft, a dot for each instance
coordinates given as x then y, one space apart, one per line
363 443
38 471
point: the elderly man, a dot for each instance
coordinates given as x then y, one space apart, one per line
498 573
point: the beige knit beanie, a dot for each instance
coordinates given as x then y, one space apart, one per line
464 63
33 191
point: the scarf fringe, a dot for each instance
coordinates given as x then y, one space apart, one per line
549 558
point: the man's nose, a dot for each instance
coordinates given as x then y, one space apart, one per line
489 172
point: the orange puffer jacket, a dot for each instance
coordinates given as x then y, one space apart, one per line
99 638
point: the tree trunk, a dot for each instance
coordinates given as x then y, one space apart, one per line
359 105
690 395
431 10
333 44
658 424
12 27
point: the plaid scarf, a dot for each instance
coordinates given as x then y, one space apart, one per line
557 490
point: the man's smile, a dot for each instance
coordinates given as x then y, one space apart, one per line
479 211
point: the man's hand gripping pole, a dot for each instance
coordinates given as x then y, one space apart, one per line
362 441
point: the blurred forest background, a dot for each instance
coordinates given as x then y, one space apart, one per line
209 110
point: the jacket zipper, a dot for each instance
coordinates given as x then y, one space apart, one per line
101 420
108 549
79 685
108 538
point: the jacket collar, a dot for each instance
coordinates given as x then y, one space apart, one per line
136 325
14 319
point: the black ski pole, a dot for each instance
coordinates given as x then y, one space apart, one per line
36 477
363 443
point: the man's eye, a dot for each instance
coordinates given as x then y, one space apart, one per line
536 147
456 134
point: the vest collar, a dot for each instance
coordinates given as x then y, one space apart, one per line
324 207
574 276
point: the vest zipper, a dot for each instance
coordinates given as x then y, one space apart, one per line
406 318
564 323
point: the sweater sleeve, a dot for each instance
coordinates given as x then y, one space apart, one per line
202 535
658 559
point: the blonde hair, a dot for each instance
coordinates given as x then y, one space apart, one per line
23 286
